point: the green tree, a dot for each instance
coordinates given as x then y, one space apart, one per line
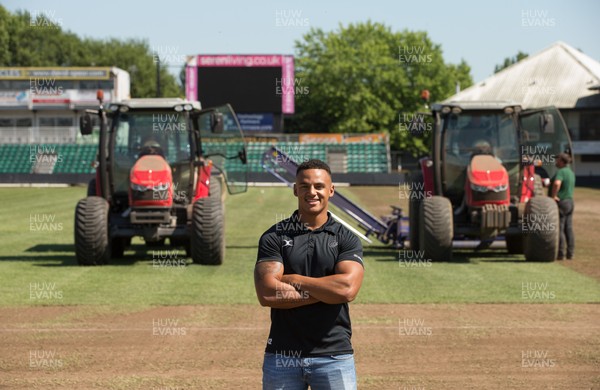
5 22
363 77
508 61
26 43
135 57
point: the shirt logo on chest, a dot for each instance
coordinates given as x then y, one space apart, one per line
287 243
332 244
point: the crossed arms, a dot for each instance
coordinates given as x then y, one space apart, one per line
279 291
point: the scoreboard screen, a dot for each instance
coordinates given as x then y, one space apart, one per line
250 83
246 89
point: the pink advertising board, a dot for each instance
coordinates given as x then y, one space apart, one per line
286 63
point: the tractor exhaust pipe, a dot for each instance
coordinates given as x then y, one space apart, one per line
103 141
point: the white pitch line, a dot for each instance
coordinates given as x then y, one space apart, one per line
124 329
266 328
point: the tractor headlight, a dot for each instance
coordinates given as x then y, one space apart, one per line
479 188
139 188
499 188
161 187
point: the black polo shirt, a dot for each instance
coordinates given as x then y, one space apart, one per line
319 329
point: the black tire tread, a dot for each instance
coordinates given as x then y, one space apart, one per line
208 227
92 245
542 245
436 228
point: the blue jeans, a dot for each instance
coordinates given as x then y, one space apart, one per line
567 238
284 371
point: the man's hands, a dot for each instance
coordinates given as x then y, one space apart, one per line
279 291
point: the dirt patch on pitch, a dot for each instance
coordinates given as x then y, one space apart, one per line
468 346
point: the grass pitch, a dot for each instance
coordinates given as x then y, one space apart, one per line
38 267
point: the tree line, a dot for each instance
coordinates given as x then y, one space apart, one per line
37 40
361 78
366 78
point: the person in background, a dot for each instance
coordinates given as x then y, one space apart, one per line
151 146
561 190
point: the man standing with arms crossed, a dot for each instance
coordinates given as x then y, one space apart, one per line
308 268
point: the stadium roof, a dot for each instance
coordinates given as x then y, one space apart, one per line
559 75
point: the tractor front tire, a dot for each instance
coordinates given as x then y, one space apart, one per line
541 221
436 228
92 245
208 227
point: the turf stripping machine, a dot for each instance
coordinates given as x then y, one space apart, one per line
390 229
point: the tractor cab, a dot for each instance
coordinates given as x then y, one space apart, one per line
184 137
163 166
487 161
516 139
479 148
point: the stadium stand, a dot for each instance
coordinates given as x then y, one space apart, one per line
360 157
65 158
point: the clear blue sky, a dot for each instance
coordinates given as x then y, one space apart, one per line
481 32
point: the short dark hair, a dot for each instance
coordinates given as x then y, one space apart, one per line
564 157
313 164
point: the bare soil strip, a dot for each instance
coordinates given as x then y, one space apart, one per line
467 346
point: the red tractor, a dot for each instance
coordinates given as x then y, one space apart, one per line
484 180
161 169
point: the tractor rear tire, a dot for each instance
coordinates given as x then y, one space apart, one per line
514 244
208 227
414 204
92 244
541 238
436 228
